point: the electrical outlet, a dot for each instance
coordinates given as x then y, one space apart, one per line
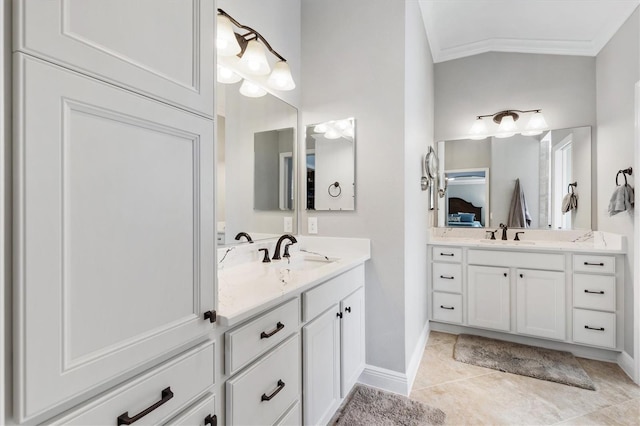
313 225
288 224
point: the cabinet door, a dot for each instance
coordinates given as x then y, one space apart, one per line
113 232
541 303
489 304
352 340
162 48
321 367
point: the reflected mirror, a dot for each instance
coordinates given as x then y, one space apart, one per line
499 180
256 167
330 164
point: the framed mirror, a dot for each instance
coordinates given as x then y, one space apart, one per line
256 166
483 175
330 165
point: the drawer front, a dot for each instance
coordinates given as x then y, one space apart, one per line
322 297
594 328
513 259
447 307
201 413
293 416
447 277
594 263
139 394
275 377
447 254
245 343
594 292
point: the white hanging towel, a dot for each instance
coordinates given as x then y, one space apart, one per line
621 199
569 202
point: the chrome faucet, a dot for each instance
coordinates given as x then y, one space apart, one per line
276 254
244 234
504 231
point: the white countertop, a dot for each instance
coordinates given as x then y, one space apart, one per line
249 288
587 242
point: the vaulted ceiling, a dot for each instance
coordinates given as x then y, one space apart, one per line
459 28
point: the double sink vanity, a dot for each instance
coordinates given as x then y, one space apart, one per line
559 286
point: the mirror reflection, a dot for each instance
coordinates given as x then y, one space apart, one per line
330 164
256 167
521 181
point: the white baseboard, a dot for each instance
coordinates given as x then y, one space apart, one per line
416 357
393 381
628 365
384 379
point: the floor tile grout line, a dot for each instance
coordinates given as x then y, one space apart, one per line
458 380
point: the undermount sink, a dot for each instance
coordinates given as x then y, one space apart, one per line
305 263
508 242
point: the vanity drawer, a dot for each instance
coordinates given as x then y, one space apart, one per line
201 412
245 343
447 254
322 297
594 292
594 328
594 263
517 259
276 375
293 416
137 395
447 277
447 307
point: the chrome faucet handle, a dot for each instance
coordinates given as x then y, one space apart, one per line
265 259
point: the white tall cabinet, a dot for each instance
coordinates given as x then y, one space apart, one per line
113 207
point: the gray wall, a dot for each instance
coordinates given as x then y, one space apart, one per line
467 154
266 167
618 70
562 86
350 69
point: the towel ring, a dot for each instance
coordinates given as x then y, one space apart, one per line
335 194
571 186
624 172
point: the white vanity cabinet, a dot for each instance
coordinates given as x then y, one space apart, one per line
163 49
541 304
488 297
333 343
113 218
567 296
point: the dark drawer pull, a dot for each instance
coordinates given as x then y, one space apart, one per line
124 419
446 254
594 264
275 392
445 277
594 328
211 420
265 335
594 292
348 309
451 308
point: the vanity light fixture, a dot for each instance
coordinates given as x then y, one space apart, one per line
243 56
336 129
507 127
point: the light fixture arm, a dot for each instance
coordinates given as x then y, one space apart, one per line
498 116
250 31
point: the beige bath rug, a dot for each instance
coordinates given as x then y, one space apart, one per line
530 361
373 407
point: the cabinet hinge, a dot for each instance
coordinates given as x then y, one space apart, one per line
211 316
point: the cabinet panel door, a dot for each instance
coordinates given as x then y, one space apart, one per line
541 303
321 367
162 48
352 340
113 231
489 303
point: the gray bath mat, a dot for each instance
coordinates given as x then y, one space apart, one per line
530 361
373 407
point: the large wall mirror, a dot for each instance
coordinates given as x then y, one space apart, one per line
256 166
482 176
330 165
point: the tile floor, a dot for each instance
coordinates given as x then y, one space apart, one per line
473 395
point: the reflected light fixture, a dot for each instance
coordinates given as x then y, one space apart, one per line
507 127
244 56
251 89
